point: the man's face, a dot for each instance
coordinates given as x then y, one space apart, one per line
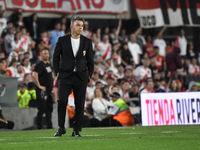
125 86
22 90
1 66
57 26
19 69
132 37
98 86
105 38
156 51
45 55
146 63
128 73
77 27
150 85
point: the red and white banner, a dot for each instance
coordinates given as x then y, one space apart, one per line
155 13
170 108
69 6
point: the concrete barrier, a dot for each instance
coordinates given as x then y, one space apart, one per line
25 117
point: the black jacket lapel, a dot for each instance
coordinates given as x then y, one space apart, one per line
69 44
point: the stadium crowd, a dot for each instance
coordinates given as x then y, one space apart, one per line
125 63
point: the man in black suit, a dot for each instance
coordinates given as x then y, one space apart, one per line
73 71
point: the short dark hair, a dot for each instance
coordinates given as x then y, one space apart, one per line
77 18
43 50
155 47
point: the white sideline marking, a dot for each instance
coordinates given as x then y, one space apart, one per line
93 135
132 133
170 131
45 137
112 128
30 142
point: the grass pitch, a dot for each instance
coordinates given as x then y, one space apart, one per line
122 138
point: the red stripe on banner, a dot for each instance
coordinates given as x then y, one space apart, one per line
153 4
146 4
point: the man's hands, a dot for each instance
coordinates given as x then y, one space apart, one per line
42 88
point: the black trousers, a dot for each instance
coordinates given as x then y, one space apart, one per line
79 89
8 125
44 106
110 122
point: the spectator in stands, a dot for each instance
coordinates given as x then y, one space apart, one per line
119 114
126 55
173 86
4 124
134 49
160 42
98 85
55 34
152 65
27 78
25 41
100 107
113 67
124 91
142 72
123 37
95 42
192 87
2 72
181 42
20 73
86 32
115 32
34 27
3 21
149 87
20 58
26 65
105 48
110 81
120 73
16 47
140 38
157 87
23 96
173 60
13 68
20 20
191 52
43 42
193 68
2 55
4 32
149 46
128 76
134 94
160 62
180 87
8 39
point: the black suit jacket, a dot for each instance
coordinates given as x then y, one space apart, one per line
83 60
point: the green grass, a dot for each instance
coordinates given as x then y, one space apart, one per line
123 138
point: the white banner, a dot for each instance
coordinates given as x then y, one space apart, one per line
170 108
69 6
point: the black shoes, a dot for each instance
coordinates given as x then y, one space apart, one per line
76 134
60 132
